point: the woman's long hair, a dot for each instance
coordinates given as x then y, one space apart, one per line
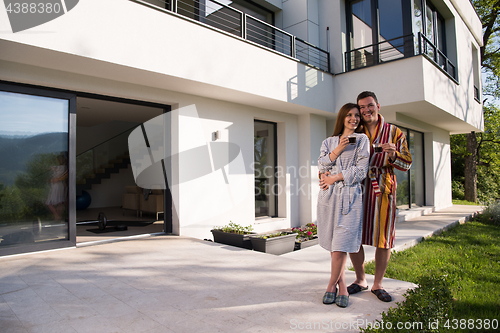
339 124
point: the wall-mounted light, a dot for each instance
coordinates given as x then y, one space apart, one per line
215 136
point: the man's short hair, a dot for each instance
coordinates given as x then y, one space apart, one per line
366 94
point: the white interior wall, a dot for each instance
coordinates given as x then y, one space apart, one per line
109 192
89 137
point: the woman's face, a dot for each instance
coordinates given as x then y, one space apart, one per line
352 119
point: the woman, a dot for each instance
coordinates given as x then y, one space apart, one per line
342 166
58 193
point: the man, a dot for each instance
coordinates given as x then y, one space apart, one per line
379 215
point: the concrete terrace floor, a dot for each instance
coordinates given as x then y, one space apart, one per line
179 284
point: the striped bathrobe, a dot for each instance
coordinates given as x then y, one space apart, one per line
340 206
380 186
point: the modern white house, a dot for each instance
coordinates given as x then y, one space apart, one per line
221 107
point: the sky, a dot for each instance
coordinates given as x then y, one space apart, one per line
33 114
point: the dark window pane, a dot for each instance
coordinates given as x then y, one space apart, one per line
265 166
391 28
363 11
390 19
441 34
361 25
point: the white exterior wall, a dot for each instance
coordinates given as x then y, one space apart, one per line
234 121
442 169
155 55
301 19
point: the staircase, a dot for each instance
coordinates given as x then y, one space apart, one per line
101 161
104 172
410 214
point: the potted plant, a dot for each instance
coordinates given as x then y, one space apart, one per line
306 236
276 243
233 234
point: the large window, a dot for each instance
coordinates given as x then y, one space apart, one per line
33 169
433 29
361 33
411 184
376 31
386 30
265 160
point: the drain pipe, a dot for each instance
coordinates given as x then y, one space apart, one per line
328 39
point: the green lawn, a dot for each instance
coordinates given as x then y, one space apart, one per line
468 257
464 202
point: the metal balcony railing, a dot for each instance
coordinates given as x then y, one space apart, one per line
238 23
398 48
426 47
382 52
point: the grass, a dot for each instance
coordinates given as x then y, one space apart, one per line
467 257
464 202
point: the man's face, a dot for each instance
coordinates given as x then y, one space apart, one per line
369 109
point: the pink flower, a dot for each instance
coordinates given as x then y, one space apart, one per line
309 233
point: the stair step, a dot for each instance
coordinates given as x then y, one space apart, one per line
405 215
104 172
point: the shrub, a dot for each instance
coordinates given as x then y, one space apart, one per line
490 215
278 234
306 232
457 190
235 228
430 304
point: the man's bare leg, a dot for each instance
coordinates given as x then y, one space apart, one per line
358 262
382 257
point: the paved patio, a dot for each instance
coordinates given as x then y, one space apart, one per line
178 284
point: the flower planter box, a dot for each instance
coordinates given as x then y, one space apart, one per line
238 240
307 243
274 245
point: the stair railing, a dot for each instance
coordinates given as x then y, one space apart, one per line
97 158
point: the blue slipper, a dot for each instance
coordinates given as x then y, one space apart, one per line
329 297
342 301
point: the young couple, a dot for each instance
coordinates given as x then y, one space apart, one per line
357 199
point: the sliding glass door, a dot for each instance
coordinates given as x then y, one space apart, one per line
34 173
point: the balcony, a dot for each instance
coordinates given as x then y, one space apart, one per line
398 48
237 23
